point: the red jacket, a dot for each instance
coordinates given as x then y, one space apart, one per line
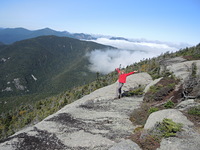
122 77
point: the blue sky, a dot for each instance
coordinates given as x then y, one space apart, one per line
164 20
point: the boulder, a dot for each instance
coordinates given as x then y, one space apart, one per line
187 139
183 70
173 114
187 104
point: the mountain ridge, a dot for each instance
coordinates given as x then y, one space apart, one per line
11 35
26 66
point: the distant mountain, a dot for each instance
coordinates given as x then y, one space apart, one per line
11 35
44 64
118 38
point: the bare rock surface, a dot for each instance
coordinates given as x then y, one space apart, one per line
187 104
95 122
183 69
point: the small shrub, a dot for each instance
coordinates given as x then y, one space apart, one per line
169 128
138 91
149 143
194 111
22 112
134 92
169 104
145 141
194 70
152 109
155 76
155 88
171 85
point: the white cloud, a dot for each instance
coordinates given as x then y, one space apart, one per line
105 61
128 52
138 46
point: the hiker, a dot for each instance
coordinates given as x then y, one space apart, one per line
122 80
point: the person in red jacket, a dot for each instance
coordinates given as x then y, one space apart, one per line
122 80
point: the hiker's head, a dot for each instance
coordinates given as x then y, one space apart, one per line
122 72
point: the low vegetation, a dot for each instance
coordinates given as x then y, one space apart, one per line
168 128
161 89
150 140
152 109
193 114
194 111
169 104
138 91
140 115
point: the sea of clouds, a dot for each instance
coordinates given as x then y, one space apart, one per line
127 53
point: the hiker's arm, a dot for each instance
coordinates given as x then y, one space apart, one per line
131 72
117 69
